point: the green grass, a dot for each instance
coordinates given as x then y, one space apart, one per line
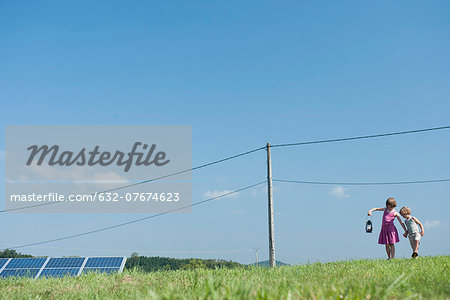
422 278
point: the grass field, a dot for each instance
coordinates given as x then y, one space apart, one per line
422 278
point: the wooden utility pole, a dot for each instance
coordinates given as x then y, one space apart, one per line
270 198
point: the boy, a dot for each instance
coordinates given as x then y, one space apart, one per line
413 231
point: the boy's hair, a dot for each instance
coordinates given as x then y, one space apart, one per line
391 202
405 210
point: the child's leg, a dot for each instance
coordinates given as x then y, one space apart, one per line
392 250
415 246
388 250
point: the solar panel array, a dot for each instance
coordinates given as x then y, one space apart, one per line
59 266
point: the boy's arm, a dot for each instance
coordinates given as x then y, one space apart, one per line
375 209
420 224
401 223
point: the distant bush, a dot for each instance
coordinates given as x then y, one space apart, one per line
10 253
153 264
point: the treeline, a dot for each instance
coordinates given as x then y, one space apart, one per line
9 253
152 264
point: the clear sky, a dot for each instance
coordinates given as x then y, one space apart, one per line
243 74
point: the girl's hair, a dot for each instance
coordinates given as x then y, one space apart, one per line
391 202
405 210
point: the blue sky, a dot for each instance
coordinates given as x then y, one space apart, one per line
243 74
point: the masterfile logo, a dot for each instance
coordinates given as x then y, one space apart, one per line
91 158
93 153
92 167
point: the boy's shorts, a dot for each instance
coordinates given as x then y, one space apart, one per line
414 237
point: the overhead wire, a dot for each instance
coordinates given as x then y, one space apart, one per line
145 181
363 183
137 220
360 137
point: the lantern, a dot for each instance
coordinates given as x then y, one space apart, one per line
369 226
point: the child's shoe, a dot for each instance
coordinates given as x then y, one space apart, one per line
414 255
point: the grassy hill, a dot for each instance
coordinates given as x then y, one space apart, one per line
422 278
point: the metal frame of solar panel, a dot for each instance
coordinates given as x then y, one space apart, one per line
60 266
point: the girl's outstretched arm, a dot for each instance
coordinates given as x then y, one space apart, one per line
375 209
420 224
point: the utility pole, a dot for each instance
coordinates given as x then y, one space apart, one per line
256 255
270 198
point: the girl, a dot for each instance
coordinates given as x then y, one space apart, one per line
388 233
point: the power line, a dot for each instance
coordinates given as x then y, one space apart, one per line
360 137
363 183
239 155
137 220
146 181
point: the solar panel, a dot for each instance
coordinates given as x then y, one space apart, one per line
20 263
19 272
3 261
61 272
63 262
59 266
22 267
104 262
100 270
